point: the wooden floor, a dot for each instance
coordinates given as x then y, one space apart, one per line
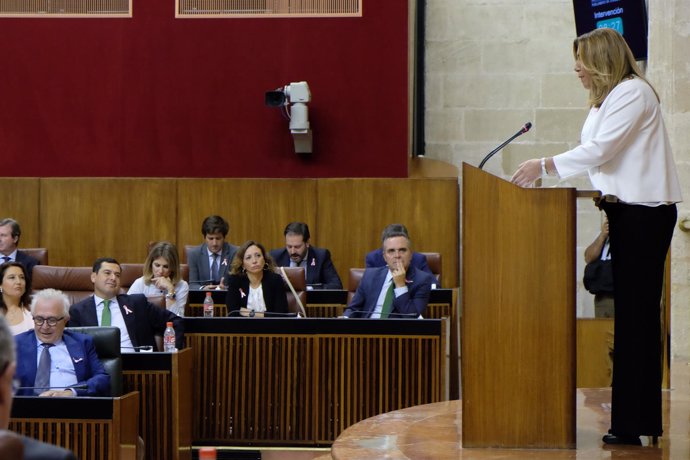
433 431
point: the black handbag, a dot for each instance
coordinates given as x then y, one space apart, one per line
598 277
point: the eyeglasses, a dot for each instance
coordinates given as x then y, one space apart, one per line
52 321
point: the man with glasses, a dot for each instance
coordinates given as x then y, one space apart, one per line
55 362
32 449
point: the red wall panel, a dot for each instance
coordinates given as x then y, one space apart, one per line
155 96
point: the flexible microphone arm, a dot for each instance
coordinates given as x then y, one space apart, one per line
522 131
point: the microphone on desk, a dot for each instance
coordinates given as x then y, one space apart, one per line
143 348
247 313
403 315
204 282
81 386
522 131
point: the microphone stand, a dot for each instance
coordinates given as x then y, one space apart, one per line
522 131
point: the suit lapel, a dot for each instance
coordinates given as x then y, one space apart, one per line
90 315
127 311
204 270
377 285
311 269
76 352
224 262
31 363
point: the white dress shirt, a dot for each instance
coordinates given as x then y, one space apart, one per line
62 373
116 320
150 290
625 148
397 292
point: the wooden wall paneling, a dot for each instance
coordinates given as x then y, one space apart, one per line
257 209
83 218
20 202
353 212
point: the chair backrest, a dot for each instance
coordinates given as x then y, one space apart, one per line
107 343
75 282
353 282
433 260
298 280
11 445
40 254
130 272
185 256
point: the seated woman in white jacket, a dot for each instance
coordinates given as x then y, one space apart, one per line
162 278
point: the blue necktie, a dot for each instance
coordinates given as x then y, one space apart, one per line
214 268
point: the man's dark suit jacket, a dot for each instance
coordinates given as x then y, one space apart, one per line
37 450
143 319
272 286
320 269
413 302
375 259
28 262
88 368
199 267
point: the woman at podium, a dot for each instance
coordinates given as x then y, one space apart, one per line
626 151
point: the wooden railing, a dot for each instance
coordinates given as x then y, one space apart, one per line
165 383
92 428
303 381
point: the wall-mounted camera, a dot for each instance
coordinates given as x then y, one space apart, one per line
294 98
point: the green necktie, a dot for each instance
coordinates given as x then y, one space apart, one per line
105 317
388 302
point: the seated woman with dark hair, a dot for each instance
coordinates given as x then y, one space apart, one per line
15 297
162 278
252 283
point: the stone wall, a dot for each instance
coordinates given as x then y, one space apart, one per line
493 65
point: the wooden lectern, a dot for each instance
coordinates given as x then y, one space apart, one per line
518 314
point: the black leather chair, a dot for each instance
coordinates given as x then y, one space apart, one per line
107 342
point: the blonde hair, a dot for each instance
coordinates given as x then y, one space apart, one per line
604 54
168 251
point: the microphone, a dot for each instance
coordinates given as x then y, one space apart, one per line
80 386
142 348
404 315
203 282
522 131
247 313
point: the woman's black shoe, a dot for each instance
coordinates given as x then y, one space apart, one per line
629 440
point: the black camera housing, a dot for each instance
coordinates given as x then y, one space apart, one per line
275 98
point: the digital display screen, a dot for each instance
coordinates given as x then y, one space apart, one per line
629 17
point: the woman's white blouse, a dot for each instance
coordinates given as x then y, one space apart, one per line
625 148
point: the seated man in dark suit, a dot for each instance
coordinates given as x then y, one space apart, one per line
208 263
297 252
10 231
396 290
33 449
56 362
138 319
375 258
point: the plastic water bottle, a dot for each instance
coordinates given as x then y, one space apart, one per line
169 337
207 453
208 306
